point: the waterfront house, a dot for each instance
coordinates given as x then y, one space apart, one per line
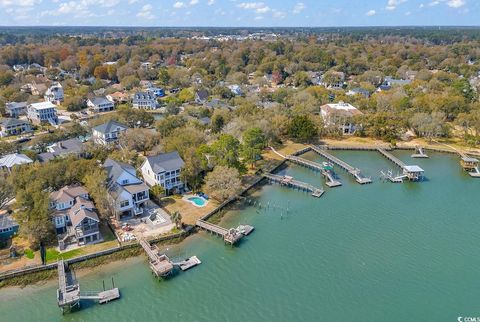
100 104
7 162
74 216
63 149
108 132
54 94
44 112
127 192
164 170
10 126
8 227
15 109
145 100
201 96
340 115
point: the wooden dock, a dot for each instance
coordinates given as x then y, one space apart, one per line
392 158
419 152
160 264
356 173
68 292
292 183
330 180
411 172
230 236
188 263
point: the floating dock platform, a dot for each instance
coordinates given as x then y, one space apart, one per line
188 263
419 153
290 182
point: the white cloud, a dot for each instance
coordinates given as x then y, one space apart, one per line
392 4
279 14
132 1
179 5
258 7
371 13
211 2
433 3
299 7
456 3
193 2
19 3
146 12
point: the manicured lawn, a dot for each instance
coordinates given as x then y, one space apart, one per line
29 253
53 255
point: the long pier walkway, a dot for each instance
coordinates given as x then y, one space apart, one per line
292 183
230 236
355 172
160 264
329 178
392 158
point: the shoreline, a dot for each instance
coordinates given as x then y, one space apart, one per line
216 216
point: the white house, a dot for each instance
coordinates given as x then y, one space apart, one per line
164 170
7 162
145 100
108 132
100 104
128 193
44 112
340 114
54 94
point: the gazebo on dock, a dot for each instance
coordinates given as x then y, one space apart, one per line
469 163
413 172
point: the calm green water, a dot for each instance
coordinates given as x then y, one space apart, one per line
380 252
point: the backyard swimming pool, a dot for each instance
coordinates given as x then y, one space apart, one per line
197 201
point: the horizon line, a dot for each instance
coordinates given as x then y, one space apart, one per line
237 27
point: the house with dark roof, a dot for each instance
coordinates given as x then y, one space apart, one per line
145 100
108 132
201 96
164 170
100 104
62 149
127 192
8 227
11 126
15 109
358 91
74 216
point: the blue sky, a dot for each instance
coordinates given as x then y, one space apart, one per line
312 13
